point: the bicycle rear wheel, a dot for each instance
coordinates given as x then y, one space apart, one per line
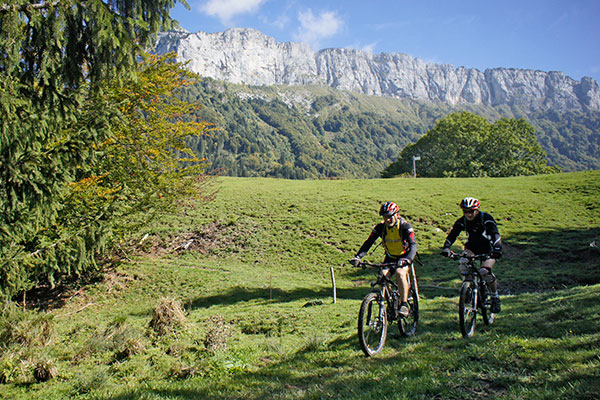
408 325
372 324
467 311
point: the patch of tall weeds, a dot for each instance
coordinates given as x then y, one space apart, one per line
24 334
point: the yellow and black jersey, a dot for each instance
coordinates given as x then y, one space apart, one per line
399 240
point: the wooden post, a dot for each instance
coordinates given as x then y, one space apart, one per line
333 283
415 159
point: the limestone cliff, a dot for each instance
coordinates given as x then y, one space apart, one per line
250 57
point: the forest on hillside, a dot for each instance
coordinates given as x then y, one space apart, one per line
267 137
303 132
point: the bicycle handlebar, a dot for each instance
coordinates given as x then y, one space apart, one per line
364 264
377 265
456 256
392 264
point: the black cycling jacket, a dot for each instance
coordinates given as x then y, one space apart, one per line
408 237
482 233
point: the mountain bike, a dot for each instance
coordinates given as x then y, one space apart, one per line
380 308
474 295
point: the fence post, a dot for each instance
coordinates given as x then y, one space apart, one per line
333 283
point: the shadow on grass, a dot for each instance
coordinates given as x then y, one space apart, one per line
548 315
554 314
531 338
312 373
325 372
237 295
532 262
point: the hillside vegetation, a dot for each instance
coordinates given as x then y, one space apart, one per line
252 272
468 146
317 132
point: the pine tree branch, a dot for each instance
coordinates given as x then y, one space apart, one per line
24 7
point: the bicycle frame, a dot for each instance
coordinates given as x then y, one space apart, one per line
384 285
472 268
372 323
473 282
474 276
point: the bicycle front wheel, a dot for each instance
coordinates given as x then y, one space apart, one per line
372 324
408 325
467 310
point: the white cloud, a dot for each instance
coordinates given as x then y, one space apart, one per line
313 28
369 48
281 22
225 10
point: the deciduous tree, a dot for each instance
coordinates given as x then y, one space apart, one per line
467 145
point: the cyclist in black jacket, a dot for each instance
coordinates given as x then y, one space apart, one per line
400 247
482 238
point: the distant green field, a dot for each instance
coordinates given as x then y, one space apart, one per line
252 270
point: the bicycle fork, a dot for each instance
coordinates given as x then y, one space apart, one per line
475 297
382 315
376 322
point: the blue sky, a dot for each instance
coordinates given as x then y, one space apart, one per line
547 35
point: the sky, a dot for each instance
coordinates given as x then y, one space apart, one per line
546 35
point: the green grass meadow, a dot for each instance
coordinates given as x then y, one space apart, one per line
252 270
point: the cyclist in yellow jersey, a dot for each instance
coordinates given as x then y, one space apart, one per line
400 247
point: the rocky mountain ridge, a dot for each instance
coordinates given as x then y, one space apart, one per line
247 56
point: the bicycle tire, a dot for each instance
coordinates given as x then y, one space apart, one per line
467 312
372 325
408 325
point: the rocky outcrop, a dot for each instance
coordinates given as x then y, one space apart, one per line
248 56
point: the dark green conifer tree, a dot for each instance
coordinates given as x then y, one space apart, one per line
55 56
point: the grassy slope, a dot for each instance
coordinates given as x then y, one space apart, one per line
264 267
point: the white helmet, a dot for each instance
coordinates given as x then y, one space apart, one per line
469 203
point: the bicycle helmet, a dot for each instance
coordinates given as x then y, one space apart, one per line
388 209
469 203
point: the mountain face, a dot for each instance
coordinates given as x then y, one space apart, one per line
247 56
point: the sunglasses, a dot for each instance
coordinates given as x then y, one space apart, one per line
468 211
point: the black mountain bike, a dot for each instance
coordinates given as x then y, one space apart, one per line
474 296
381 306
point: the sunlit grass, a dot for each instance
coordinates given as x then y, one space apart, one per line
265 276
